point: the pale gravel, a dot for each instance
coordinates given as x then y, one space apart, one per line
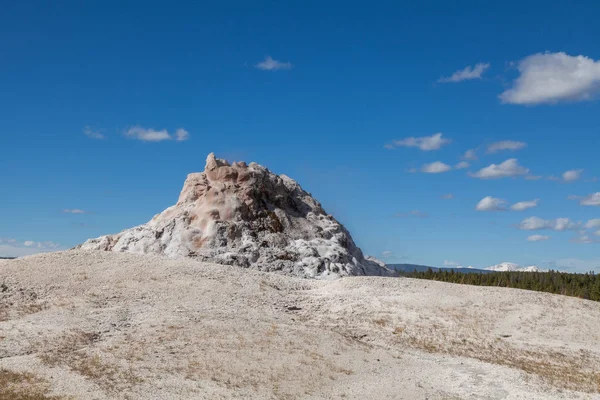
102 325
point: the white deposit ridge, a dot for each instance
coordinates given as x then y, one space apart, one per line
245 215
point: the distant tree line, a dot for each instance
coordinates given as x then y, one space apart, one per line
584 286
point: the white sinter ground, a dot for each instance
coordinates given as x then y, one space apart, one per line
108 325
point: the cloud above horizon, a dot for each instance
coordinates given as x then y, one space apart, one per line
509 168
151 135
572 175
505 145
270 64
490 203
558 224
10 247
73 211
537 238
92 134
436 167
425 143
548 78
589 200
524 205
466 73
470 155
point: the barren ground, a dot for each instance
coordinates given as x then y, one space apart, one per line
99 325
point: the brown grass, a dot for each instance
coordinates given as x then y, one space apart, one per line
23 386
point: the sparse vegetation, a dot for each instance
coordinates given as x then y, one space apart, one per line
23 386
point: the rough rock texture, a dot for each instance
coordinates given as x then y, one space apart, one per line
245 215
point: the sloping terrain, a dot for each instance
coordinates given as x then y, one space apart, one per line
104 325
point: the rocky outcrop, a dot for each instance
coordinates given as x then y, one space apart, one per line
245 215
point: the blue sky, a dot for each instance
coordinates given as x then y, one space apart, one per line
106 106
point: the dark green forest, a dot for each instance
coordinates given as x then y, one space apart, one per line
584 286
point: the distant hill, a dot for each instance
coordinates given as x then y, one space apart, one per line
7 258
423 268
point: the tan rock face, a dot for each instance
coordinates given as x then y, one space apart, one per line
244 215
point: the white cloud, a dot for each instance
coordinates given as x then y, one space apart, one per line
152 135
591 200
470 154
524 205
448 263
554 77
490 203
462 165
448 196
593 223
505 145
436 167
583 239
537 238
73 211
181 135
14 248
597 233
506 169
572 175
558 224
466 73
425 143
89 132
269 64
386 254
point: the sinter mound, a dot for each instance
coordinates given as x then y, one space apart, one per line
245 215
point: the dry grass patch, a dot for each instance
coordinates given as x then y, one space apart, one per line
23 386
74 351
567 371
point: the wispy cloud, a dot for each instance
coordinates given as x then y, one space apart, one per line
10 247
552 78
181 135
505 145
436 167
537 238
470 155
466 73
593 223
462 165
387 254
572 175
425 143
490 203
508 168
448 196
73 211
558 224
151 135
524 205
448 263
583 238
589 200
91 133
270 64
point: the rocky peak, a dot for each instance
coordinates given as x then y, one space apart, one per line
245 215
